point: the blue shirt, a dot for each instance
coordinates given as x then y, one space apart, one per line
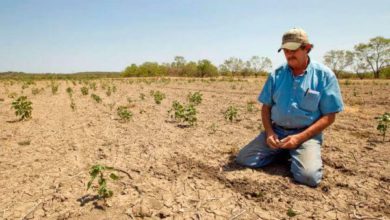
299 101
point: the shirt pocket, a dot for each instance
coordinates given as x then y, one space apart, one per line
310 101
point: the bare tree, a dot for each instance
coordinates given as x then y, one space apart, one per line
338 60
376 54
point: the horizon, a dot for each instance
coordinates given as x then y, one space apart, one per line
73 36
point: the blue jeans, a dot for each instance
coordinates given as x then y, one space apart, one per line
306 164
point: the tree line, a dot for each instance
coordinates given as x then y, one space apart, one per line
372 58
203 68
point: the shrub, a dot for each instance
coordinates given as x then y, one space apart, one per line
96 98
181 113
123 113
231 113
195 98
158 97
54 88
84 90
22 107
98 171
383 124
250 106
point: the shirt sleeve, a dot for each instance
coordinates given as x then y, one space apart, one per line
331 100
265 96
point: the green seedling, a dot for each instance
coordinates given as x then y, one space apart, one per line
383 124
195 98
22 107
158 97
142 96
250 106
84 90
231 113
123 113
54 88
98 171
291 213
96 98
181 113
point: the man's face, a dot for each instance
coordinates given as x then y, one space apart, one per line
296 59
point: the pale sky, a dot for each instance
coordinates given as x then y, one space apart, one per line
64 36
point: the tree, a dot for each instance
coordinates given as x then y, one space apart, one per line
206 68
130 71
376 53
259 64
338 60
177 66
190 69
233 66
359 66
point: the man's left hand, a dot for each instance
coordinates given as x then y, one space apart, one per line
290 142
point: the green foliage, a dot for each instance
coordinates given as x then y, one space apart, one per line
195 98
183 113
383 124
84 90
146 69
158 96
142 96
54 88
36 91
231 113
123 113
22 107
92 86
206 68
250 106
96 98
98 171
291 213
69 91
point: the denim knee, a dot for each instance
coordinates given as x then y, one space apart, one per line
310 177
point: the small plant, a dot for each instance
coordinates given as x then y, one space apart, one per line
123 113
158 97
96 98
36 91
142 96
181 113
108 92
250 106
98 171
129 100
195 98
231 113
383 124
84 90
72 105
54 88
69 91
22 107
291 213
92 86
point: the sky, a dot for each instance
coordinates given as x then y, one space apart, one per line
66 36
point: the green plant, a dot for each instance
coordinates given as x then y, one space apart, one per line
22 107
158 97
108 92
72 105
231 113
123 113
54 88
98 171
69 91
142 96
291 213
84 90
383 124
181 113
96 98
250 106
92 86
195 98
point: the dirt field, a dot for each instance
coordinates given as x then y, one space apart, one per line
181 172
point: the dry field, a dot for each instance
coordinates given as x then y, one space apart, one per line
179 172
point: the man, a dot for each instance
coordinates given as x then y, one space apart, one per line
300 99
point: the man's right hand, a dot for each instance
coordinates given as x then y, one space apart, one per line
273 141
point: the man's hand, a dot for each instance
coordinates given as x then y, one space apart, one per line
273 141
290 142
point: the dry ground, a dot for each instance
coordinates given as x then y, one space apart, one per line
181 172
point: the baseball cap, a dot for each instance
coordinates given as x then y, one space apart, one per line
293 39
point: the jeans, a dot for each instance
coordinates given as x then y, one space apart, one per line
306 162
